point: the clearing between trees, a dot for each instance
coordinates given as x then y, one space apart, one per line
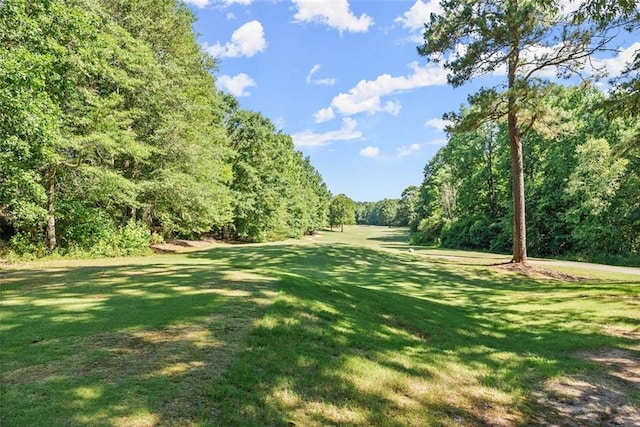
338 329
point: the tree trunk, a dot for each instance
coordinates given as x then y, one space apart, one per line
342 228
517 178
490 180
517 169
51 215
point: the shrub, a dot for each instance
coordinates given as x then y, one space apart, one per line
81 228
22 247
133 239
429 231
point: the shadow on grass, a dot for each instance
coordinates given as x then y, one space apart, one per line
121 345
345 313
353 336
393 235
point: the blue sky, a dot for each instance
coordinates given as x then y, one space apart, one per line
344 79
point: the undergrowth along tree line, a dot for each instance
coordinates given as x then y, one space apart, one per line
112 131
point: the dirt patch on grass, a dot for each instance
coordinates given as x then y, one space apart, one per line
178 246
538 272
602 399
622 364
623 332
118 356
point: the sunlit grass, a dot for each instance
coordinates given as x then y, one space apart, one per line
339 329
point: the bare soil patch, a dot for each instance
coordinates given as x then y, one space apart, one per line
538 272
623 332
177 246
598 400
620 363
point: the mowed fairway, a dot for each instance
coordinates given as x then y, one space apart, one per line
338 329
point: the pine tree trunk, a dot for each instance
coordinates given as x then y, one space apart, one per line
517 169
517 178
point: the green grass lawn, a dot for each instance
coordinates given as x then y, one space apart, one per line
339 329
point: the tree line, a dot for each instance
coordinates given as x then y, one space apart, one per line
530 165
112 131
524 41
390 212
582 184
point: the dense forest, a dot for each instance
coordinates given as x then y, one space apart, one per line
582 175
582 178
113 133
532 164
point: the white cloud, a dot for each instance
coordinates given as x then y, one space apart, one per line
325 81
369 152
324 115
392 107
198 3
204 3
616 65
570 6
236 85
245 41
407 150
419 14
335 14
438 124
280 123
314 69
366 95
309 138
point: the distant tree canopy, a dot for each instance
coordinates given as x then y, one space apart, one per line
382 212
398 212
112 128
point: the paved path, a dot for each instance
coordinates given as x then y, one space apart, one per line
598 267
